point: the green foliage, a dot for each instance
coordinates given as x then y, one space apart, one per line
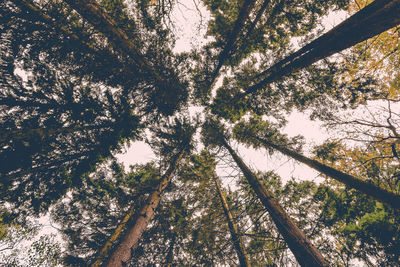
255 131
71 98
367 229
90 213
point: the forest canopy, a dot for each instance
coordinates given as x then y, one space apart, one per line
83 80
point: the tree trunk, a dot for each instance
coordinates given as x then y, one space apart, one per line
242 16
105 250
377 17
170 255
240 248
140 220
380 194
305 253
96 15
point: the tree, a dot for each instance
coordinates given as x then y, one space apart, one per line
180 136
305 253
81 80
240 249
337 39
68 113
250 133
264 85
203 170
366 223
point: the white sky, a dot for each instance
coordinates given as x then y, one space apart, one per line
192 36
191 30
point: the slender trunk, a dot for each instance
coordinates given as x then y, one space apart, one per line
170 256
140 220
377 17
305 253
240 248
98 17
242 16
36 13
256 20
380 194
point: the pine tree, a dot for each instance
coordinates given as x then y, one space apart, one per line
258 132
305 253
81 80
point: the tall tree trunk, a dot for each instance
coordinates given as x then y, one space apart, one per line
35 12
242 16
375 18
256 20
140 220
305 253
240 248
170 255
97 16
380 194
105 250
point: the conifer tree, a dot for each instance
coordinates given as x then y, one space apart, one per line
305 253
258 132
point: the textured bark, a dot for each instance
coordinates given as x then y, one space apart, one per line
237 242
95 14
376 18
380 194
141 219
306 254
105 250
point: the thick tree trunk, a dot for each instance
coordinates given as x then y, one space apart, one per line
369 189
140 220
105 250
305 253
377 17
237 242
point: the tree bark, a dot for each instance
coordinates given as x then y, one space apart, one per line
306 254
105 250
380 194
237 242
140 220
376 18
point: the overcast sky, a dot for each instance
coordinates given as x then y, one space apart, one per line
190 29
